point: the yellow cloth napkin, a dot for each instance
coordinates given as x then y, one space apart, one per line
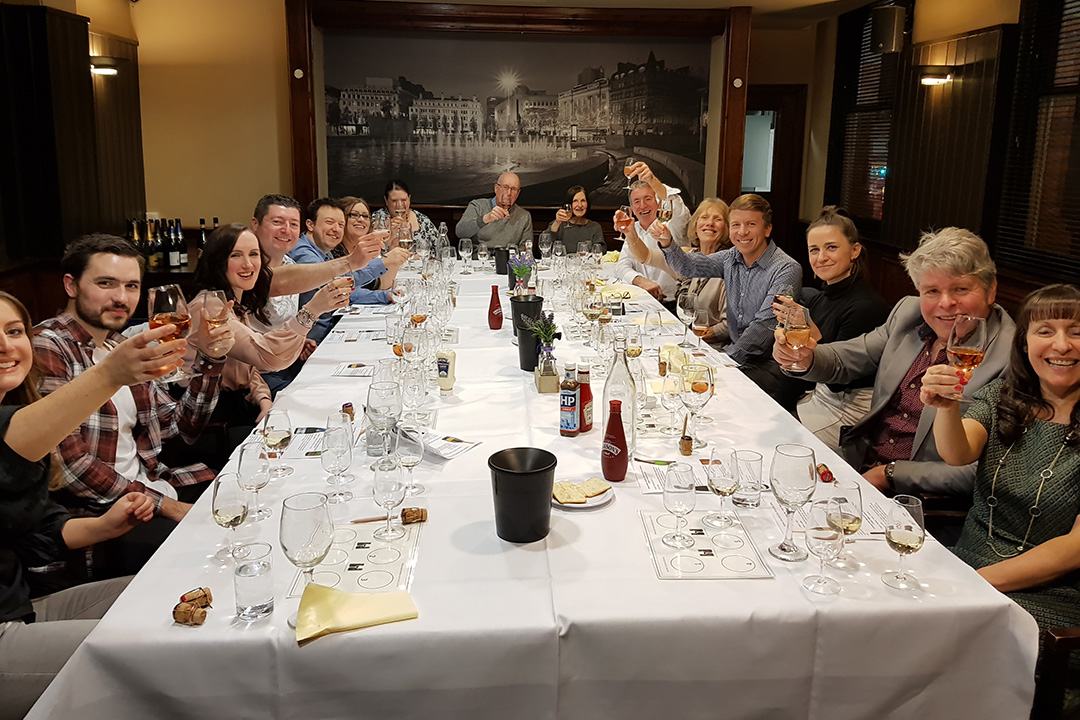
325 610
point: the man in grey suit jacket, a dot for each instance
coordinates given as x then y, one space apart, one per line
893 445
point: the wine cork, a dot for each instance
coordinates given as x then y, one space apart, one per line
413 515
199 597
686 445
188 614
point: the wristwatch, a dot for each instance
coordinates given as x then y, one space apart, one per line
305 318
890 469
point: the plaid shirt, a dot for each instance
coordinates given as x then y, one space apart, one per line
62 350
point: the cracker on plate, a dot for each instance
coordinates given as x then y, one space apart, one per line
594 486
568 493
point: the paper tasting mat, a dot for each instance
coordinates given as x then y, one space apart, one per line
716 555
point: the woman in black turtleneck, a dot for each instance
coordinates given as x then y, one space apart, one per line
846 307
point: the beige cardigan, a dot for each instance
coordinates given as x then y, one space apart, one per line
709 292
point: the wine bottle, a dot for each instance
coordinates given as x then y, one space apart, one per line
495 315
620 386
613 453
215 223
202 235
157 252
183 245
174 246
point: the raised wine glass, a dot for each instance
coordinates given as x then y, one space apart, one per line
848 519
277 434
306 533
723 479
794 478
679 500
336 457
825 541
217 311
905 533
410 453
388 490
797 330
627 172
254 475
230 508
166 306
967 344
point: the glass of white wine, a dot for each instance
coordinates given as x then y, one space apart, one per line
230 508
847 519
905 533
633 341
797 331
277 434
825 541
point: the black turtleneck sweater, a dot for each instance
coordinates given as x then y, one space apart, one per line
844 310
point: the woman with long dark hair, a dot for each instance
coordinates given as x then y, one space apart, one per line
1023 531
233 263
399 210
570 225
37 637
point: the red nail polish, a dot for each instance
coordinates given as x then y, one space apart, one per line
959 388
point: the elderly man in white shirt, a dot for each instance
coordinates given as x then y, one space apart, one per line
646 194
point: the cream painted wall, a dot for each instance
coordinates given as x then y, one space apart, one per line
214 100
936 19
108 16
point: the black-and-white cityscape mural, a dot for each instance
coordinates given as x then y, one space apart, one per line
448 113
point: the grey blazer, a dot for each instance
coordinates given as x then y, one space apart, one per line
888 352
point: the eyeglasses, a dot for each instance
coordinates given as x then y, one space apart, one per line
511 188
357 216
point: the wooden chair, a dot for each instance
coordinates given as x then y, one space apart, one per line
1053 673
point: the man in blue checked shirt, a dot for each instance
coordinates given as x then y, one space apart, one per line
754 270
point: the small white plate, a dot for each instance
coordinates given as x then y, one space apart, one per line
594 502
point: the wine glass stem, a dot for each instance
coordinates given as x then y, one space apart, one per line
389 523
821 571
698 341
255 492
900 566
309 576
408 475
788 540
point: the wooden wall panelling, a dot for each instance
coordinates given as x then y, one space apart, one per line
121 179
733 130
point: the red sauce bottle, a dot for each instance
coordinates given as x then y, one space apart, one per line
585 402
495 315
613 459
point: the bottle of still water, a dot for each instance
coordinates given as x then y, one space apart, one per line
620 386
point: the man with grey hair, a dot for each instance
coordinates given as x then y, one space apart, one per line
893 445
497 221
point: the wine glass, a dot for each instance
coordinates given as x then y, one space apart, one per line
558 249
413 390
254 475
216 310
277 434
410 453
623 224
794 479
592 307
905 533
388 490
848 518
825 541
166 306
700 325
634 347
697 388
685 307
654 321
230 508
641 390
627 172
336 457
545 243
797 331
482 254
412 339
670 398
306 533
723 479
383 410
465 247
679 499
967 344
665 210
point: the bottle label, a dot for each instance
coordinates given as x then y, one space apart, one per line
568 414
444 367
611 449
586 414
497 311
174 258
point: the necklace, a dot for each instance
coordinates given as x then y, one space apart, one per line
1033 511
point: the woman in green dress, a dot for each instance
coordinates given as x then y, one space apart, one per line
1023 531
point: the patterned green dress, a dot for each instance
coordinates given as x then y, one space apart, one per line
1057 603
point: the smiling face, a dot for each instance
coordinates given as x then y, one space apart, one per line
328 228
397 201
357 221
832 255
16 351
710 229
643 204
105 295
943 296
1053 349
278 232
579 205
245 260
749 233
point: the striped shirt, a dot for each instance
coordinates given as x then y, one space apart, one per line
62 350
750 291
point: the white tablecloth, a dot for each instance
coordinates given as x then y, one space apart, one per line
575 626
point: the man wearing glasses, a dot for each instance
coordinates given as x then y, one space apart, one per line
497 221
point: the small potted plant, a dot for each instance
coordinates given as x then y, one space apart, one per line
545 331
521 265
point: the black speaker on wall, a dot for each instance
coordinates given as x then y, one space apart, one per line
887 29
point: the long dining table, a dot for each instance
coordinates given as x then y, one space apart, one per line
578 625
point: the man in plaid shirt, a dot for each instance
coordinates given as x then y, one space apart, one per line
116 450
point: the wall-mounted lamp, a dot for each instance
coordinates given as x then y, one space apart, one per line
101 65
935 75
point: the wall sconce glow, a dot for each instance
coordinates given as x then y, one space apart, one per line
102 65
936 79
95 70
